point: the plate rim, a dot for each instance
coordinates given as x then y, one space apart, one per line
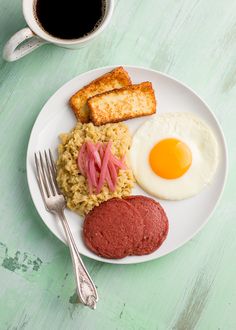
150 256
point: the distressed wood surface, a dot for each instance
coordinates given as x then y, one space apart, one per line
192 288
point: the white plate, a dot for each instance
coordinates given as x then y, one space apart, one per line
186 217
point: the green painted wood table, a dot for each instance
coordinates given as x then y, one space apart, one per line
192 288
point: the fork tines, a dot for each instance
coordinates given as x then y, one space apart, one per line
46 174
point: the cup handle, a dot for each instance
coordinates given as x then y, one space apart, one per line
17 46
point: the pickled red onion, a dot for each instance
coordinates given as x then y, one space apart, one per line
97 163
105 160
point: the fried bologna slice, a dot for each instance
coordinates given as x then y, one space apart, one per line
155 224
117 78
113 229
121 104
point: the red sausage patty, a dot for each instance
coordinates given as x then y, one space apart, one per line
113 229
155 224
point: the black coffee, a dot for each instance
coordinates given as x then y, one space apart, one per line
69 19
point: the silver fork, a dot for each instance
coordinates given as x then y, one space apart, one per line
55 203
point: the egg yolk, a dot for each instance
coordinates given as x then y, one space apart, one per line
170 158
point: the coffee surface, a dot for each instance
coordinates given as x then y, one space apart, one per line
70 19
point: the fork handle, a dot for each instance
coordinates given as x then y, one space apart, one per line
85 287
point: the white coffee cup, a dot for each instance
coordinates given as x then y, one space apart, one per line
28 39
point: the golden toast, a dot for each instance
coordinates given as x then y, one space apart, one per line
117 78
121 104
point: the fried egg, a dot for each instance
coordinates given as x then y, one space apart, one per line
174 155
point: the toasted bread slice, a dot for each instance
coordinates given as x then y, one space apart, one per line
121 104
117 78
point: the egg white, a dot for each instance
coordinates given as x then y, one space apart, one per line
191 130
